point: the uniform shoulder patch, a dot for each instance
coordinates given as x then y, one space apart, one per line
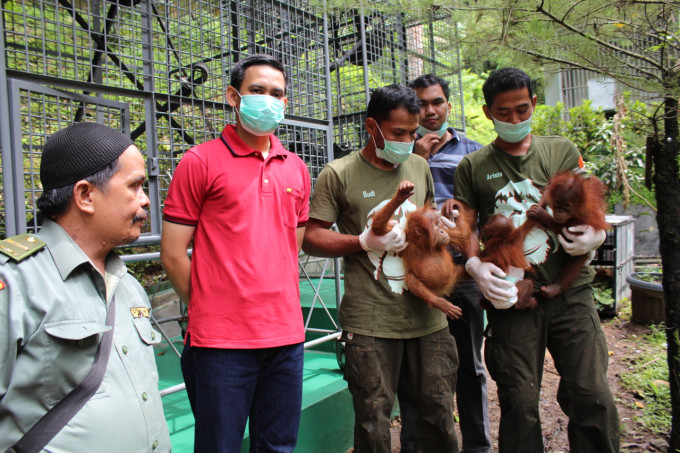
21 246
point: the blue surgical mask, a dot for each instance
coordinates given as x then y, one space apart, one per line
512 133
394 152
260 114
442 130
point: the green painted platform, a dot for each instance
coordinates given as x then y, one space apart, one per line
327 414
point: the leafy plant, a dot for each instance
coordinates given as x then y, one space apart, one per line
477 125
651 278
648 380
602 293
148 272
595 136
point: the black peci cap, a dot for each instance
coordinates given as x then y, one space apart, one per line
79 151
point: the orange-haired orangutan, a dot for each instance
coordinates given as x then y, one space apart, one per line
430 270
574 200
504 247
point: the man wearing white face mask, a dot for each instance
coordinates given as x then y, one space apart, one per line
384 325
444 148
505 177
243 201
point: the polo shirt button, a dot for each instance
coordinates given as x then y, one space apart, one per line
155 444
153 336
266 181
124 349
145 396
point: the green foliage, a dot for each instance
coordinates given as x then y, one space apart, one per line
351 91
603 295
148 272
593 134
633 42
477 126
650 278
648 379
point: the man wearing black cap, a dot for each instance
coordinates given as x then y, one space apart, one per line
69 309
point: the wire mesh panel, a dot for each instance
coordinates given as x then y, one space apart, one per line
90 41
373 49
195 45
44 111
191 52
159 71
165 67
169 63
431 49
308 142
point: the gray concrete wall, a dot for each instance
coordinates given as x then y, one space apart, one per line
646 229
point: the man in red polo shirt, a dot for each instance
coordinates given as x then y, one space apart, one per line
243 200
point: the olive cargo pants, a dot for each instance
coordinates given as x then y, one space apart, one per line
372 372
569 327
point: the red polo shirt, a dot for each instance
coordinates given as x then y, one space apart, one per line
244 267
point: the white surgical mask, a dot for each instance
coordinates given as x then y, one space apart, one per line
393 152
260 114
442 130
512 133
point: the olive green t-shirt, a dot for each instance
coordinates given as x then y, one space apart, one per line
492 181
376 302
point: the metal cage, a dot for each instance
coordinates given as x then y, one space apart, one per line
159 70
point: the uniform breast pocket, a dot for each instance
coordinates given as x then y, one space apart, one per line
70 347
149 338
290 207
147 333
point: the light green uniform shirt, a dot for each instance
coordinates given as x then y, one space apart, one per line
52 314
376 302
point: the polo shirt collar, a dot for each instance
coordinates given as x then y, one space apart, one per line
239 148
68 256
454 135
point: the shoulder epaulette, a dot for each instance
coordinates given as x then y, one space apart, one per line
21 246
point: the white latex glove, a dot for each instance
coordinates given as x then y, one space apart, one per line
581 244
508 302
591 257
496 290
448 223
392 242
447 210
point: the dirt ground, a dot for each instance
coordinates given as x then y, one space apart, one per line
621 341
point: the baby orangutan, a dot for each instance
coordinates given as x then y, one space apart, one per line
504 247
430 270
574 200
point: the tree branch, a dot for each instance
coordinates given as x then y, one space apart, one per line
576 65
640 196
555 59
592 38
653 2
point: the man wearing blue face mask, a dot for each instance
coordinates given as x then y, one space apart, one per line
505 177
243 201
444 148
384 324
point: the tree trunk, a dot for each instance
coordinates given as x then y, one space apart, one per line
667 183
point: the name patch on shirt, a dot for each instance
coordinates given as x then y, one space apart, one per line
139 312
